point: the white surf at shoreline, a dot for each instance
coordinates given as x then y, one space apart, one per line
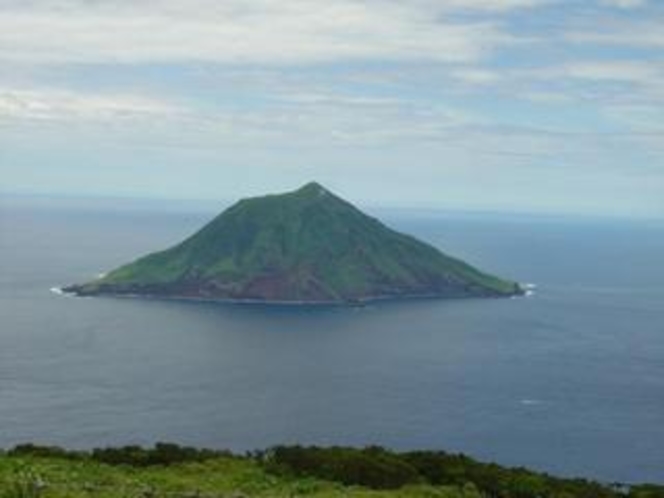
530 289
60 292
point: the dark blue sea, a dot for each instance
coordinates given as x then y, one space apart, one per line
569 380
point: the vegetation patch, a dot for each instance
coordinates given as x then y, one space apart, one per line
169 470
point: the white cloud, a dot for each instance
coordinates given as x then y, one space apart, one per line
621 82
602 82
65 105
624 4
259 31
638 34
288 117
642 118
547 97
330 98
476 76
617 71
486 5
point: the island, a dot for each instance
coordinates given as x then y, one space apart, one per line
307 246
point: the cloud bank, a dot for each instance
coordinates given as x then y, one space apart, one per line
511 97
241 32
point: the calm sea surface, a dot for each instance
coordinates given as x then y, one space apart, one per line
570 380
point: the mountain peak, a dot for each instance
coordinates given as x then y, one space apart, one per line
304 246
312 188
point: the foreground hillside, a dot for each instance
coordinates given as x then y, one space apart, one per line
171 471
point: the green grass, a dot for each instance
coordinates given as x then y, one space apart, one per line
32 477
173 471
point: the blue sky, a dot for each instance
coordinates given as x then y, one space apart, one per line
507 105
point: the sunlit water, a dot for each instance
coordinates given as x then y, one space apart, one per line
569 380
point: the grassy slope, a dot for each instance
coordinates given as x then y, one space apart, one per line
172 471
222 476
319 243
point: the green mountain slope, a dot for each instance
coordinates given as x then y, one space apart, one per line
303 246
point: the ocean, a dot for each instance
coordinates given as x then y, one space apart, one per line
569 380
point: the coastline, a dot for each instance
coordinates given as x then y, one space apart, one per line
359 302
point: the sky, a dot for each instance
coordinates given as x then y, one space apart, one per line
552 106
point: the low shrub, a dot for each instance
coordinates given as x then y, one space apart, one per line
162 454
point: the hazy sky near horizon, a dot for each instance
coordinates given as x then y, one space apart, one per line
509 105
